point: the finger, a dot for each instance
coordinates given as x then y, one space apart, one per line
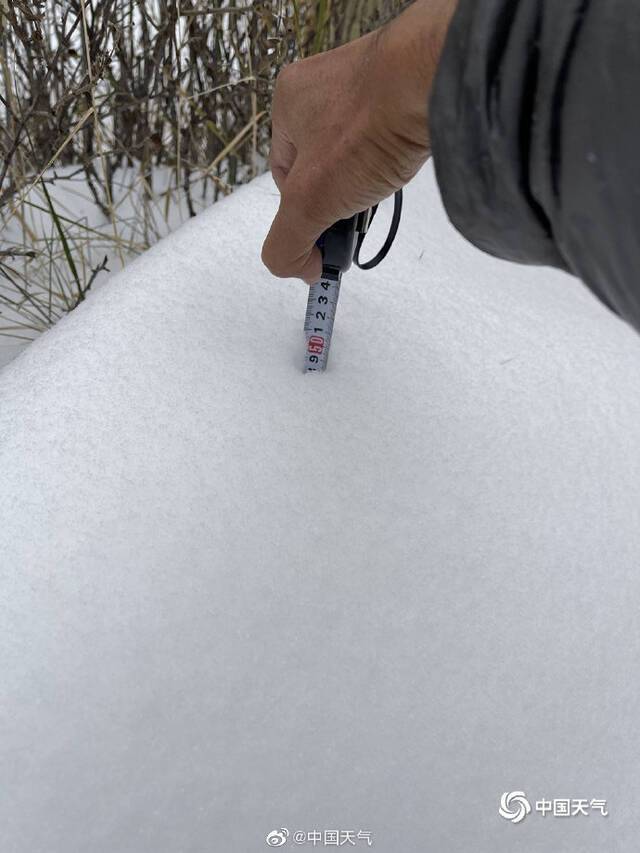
283 152
279 176
281 158
290 250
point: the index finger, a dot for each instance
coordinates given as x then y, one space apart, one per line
290 247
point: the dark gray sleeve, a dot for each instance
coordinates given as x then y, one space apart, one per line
535 125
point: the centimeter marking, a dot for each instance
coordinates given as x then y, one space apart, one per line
318 321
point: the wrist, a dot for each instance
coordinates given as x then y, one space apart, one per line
408 53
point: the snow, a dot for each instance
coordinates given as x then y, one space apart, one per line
9 350
237 598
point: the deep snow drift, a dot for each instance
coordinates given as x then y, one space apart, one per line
208 632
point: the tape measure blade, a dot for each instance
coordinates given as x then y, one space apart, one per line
319 319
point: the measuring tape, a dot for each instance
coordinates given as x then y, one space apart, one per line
340 245
318 321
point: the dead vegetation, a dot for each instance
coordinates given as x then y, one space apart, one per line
146 112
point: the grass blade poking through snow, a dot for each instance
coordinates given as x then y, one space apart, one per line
65 243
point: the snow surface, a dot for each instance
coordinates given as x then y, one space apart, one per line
237 598
9 351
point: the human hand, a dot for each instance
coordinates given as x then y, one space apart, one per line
349 128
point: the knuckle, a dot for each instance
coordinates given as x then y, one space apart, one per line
273 262
287 74
280 270
277 271
285 82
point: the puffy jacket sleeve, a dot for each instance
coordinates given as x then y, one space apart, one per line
535 125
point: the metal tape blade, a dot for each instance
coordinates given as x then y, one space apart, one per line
318 322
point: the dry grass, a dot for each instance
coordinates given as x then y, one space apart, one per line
148 110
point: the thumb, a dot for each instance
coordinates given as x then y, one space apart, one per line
290 250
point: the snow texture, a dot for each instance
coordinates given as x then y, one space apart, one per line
237 598
9 351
